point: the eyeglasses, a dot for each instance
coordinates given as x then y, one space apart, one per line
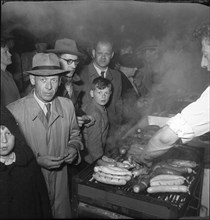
70 61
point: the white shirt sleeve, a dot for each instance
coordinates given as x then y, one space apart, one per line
194 119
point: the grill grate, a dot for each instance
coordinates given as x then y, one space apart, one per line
176 199
123 200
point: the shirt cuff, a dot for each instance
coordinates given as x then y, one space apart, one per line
181 128
77 144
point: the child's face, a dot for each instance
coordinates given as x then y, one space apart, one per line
7 141
101 96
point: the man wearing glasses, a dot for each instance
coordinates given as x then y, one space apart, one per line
70 87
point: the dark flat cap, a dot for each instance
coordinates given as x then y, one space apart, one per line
131 61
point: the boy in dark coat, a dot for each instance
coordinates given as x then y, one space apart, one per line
23 192
95 136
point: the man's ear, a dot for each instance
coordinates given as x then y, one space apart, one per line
112 54
91 93
93 53
32 79
59 83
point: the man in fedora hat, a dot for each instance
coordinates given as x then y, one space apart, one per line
51 131
70 87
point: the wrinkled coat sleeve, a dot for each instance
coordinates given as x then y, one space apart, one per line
94 141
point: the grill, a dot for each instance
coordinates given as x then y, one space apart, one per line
122 202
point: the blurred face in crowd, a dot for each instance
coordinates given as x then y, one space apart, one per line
69 62
205 62
102 54
101 96
7 141
5 56
45 87
126 50
151 55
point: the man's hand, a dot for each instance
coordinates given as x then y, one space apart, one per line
80 121
71 154
147 157
86 120
49 162
91 121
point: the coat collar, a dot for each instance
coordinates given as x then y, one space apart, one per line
35 109
93 73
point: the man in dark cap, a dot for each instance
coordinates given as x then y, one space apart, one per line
22 186
50 127
129 65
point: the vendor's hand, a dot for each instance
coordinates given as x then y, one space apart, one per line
70 155
49 162
147 157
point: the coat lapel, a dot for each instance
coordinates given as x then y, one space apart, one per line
93 73
56 111
37 112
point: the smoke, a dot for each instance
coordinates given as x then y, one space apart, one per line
176 66
86 20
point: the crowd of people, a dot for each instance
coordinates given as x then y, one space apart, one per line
67 116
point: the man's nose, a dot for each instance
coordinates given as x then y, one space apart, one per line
9 54
103 56
74 65
48 85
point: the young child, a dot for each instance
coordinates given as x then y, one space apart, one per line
95 135
23 191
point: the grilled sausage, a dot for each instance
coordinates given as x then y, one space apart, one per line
108 180
108 159
182 163
163 170
166 177
139 187
112 170
119 169
123 165
167 182
125 177
182 170
158 189
101 162
141 184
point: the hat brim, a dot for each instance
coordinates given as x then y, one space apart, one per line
64 52
46 72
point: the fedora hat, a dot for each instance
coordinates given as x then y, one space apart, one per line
66 46
45 64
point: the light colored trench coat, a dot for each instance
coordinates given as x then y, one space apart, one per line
62 130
